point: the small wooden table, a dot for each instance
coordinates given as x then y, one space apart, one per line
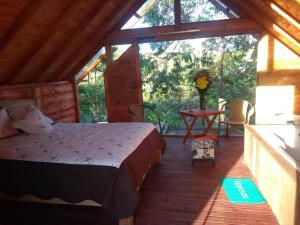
209 116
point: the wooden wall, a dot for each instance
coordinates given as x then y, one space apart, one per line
123 86
57 100
277 65
275 175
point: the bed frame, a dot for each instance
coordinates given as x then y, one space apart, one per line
31 198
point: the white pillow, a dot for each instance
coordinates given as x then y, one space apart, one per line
31 120
6 129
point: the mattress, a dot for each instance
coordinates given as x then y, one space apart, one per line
104 163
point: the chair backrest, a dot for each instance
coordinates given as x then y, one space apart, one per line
238 111
221 107
137 113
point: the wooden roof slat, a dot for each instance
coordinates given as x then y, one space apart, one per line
78 50
65 41
20 21
44 39
82 35
84 54
185 31
262 18
9 11
290 6
38 44
279 20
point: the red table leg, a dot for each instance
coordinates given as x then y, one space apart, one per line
209 127
189 128
209 116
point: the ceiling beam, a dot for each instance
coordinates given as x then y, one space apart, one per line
91 67
185 31
225 9
132 11
240 12
263 19
20 21
85 54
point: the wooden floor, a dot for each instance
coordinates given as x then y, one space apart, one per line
177 194
173 193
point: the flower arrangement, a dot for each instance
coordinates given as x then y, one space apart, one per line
202 80
202 83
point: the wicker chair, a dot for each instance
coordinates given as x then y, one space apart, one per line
137 114
235 113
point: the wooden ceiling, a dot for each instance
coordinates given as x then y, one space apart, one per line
51 40
47 40
281 18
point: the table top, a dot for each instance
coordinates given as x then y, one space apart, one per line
199 112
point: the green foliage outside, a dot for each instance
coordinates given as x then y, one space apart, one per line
92 96
168 72
168 69
168 77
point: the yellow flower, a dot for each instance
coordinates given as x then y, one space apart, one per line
202 82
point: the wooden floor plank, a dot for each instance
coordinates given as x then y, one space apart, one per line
175 193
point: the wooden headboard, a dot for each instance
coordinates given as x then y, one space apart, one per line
12 105
57 100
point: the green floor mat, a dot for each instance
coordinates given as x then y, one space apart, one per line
242 191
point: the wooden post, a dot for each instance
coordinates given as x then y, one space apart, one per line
126 221
37 97
177 12
109 58
118 97
76 100
109 55
138 70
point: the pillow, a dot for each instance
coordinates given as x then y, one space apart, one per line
31 120
6 129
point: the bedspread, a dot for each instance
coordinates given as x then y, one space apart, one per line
75 162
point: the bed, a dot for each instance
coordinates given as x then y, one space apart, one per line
101 163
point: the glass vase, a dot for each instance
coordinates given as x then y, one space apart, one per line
202 100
